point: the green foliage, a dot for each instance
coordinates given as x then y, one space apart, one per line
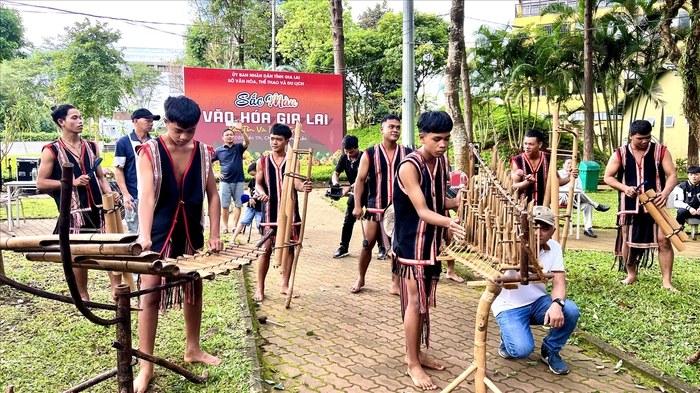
91 70
643 319
11 34
307 28
228 33
62 348
369 18
145 81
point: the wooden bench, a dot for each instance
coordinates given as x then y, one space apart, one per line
693 222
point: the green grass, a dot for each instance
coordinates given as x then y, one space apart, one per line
644 319
34 207
48 346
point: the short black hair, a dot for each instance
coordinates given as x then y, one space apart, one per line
693 169
390 116
183 111
535 134
434 121
641 127
281 130
350 142
59 112
252 167
224 131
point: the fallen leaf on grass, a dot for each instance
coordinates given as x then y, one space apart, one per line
624 305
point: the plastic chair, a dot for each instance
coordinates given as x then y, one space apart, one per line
15 197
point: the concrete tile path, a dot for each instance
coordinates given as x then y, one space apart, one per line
336 341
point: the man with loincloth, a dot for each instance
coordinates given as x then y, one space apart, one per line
269 180
421 224
377 168
175 173
632 169
516 309
86 214
529 169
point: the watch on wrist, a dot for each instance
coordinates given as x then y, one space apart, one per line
559 302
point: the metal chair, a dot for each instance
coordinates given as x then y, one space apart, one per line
15 197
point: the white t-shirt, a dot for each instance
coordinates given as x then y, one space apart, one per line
552 260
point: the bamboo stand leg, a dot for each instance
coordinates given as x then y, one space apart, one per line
125 374
290 290
481 382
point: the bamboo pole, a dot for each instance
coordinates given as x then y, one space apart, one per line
572 186
551 196
290 290
285 214
645 198
113 224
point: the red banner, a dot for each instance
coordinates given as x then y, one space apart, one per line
259 99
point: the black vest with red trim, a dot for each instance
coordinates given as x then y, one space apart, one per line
90 195
415 241
273 175
178 210
380 179
537 189
648 170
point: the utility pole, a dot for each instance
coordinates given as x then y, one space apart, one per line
407 138
588 133
274 52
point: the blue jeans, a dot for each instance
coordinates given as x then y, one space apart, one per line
517 335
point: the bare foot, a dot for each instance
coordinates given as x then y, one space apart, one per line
672 289
421 379
394 290
454 277
200 356
358 285
427 361
141 382
629 280
284 291
259 295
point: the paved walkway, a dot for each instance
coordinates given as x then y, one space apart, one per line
335 341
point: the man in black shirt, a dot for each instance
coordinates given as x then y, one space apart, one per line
349 163
687 196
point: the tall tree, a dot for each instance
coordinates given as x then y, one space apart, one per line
91 71
145 80
229 32
453 71
686 58
339 48
11 34
369 18
588 135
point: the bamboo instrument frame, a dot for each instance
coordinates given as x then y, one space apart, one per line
669 226
501 236
118 253
285 214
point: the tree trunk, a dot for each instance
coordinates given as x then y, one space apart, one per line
339 48
452 72
588 132
468 113
686 61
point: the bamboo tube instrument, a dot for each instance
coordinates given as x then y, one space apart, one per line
285 215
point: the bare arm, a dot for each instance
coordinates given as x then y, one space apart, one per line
611 179
671 179
147 201
409 177
260 183
246 139
44 182
520 181
362 173
302 186
214 244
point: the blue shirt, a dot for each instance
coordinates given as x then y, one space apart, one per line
231 159
125 157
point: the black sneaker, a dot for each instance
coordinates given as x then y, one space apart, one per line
381 253
603 208
342 252
556 365
502 352
589 233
